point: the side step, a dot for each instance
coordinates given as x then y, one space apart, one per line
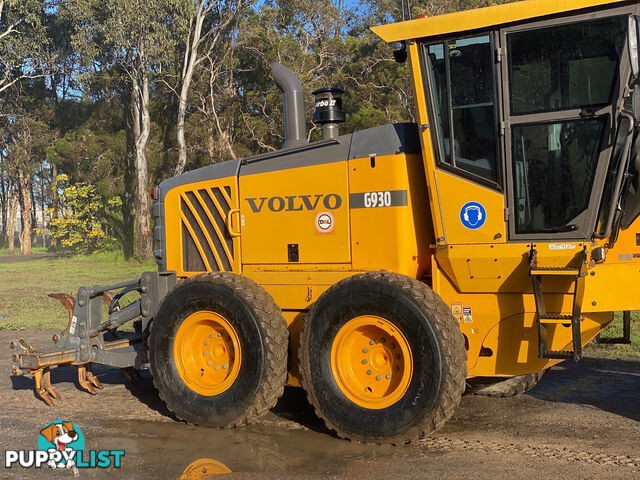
543 318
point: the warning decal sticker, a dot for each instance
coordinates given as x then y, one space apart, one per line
466 314
456 309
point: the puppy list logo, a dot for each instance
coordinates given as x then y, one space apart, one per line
61 445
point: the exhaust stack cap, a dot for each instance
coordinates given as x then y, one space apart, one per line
328 112
295 134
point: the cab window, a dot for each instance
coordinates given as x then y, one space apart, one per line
564 67
461 78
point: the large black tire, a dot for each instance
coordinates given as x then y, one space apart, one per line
437 351
505 388
262 334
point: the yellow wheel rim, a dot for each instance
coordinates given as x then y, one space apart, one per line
207 353
371 362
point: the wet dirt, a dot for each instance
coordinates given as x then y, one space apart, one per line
581 421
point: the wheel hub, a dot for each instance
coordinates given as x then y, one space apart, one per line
371 362
207 353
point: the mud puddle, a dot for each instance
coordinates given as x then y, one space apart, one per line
171 450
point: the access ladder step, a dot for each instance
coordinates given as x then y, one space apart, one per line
555 318
559 354
559 271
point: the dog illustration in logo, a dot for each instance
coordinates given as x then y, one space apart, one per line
473 215
60 434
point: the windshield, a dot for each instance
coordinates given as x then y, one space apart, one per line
565 67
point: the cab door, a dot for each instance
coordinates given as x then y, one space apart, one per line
463 106
563 82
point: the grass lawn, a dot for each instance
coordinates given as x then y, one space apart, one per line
614 330
24 285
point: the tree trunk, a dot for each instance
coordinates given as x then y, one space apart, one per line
11 224
189 63
54 202
141 128
211 144
26 202
4 200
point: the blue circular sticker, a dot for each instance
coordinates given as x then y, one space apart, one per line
473 215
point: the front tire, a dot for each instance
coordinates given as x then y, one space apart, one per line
382 358
218 350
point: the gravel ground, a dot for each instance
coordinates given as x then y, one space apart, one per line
581 421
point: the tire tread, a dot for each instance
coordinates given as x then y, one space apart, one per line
450 338
276 334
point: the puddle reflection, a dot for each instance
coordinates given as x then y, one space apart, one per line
204 468
179 451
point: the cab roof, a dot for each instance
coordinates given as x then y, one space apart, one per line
482 18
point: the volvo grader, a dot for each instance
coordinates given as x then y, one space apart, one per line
381 269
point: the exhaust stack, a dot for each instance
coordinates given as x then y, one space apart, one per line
295 134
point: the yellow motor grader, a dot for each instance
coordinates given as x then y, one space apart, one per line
380 269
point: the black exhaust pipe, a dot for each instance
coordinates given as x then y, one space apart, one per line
295 134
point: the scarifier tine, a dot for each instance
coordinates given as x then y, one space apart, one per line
40 389
83 379
92 378
69 302
46 384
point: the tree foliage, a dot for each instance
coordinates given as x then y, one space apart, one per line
86 218
117 95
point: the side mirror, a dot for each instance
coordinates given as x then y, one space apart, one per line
400 55
634 40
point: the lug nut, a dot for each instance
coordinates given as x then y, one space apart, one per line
393 345
388 376
209 362
397 356
364 361
225 366
396 368
219 334
372 342
206 342
382 340
211 335
217 367
205 353
365 350
369 372
379 377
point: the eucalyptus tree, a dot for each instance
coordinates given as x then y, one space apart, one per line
139 38
211 28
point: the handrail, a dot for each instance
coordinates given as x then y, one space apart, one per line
624 162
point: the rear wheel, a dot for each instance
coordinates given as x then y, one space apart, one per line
505 388
382 358
218 350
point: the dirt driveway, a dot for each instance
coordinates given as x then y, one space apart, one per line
582 421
